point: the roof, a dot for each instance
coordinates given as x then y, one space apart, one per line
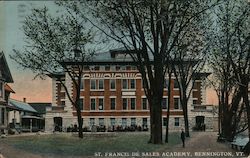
6 75
40 107
22 106
8 88
116 57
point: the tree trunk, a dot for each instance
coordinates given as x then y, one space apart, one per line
169 101
79 118
185 114
156 120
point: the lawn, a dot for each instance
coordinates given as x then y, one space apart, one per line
66 144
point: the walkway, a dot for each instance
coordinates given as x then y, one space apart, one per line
204 144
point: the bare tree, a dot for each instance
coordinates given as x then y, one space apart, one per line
232 41
150 31
50 42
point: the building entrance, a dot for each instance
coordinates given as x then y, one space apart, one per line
200 125
58 124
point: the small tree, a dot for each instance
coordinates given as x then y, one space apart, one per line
52 40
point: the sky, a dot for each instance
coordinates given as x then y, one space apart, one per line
12 14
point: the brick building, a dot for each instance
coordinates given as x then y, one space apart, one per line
112 94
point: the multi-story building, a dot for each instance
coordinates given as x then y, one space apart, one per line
5 90
112 94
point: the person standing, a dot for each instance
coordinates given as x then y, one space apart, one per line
183 138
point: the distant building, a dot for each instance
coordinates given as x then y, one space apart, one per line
40 108
112 95
25 117
5 90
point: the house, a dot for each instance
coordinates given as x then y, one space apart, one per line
5 90
112 95
25 116
41 111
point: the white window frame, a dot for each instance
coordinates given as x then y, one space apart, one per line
126 103
100 104
175 121
111 103
146 103
110 81
91 104
131 103
179 103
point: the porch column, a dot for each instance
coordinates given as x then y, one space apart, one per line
30 125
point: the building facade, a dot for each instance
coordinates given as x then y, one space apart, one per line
112 95
5 90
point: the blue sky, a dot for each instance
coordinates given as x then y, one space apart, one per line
12 15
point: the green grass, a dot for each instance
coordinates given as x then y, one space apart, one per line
61 144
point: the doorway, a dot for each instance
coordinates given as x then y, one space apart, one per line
200 125
58 124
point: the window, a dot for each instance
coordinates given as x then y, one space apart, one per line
195 101
101 106
132 84
177 121
92 121
133 121
107 68
101 84
123 68
1 89
92 84
166 83
133 68
124 122
102 68
62 103
144 121
164 121
113 68
112 121
176 85
195 86
177 103
124 103
82 84
124 84
97 68
112 84
144 104
93 103
112 103
2 115
81 103
101 121
118 68
132 103
164 103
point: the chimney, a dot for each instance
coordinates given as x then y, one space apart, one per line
24 100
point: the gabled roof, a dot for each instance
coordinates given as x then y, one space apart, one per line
40 107
7 88
22 105
4 69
